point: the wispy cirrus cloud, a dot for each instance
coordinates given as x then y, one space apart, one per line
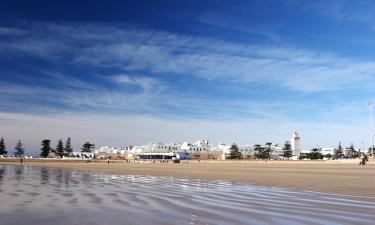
160 101
62 79
162 52
146 83
130 51
341 10
234 22
31 98
11 31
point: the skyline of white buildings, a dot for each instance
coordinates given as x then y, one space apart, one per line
187 149
204 147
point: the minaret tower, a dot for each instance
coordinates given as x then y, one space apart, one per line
295 142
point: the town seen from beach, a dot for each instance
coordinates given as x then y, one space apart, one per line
199 150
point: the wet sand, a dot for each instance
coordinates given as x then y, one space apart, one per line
339 177
49 195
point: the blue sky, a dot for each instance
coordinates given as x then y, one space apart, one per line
134 72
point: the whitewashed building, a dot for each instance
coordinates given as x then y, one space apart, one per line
83 155
328 151
246 150
112 150
224 148
276 150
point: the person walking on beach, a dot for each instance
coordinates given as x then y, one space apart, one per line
21 160
108 161
364 159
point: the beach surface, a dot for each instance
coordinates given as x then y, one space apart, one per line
339 177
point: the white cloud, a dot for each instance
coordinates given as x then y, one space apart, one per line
61 79
10 31
155 98
146 83
134 50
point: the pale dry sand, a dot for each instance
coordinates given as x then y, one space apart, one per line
345 177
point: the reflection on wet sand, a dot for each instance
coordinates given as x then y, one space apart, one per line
41 195
2 173
44 176
19 173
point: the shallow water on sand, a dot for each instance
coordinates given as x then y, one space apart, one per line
39 195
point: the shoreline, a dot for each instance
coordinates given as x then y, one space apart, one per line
337 177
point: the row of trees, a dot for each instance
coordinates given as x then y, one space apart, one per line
46 149
260 151
62 150
316 153
264 152
19 150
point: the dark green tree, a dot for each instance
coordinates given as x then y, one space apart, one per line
314 154
328 155
87 147
60 149
268 150
258 149
235 152
339 152
287 150
19 149
3 150
46 148
262 152
68 148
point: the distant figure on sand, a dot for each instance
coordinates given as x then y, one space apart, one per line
21 160
364 159
108 161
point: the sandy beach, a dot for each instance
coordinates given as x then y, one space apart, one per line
340 177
